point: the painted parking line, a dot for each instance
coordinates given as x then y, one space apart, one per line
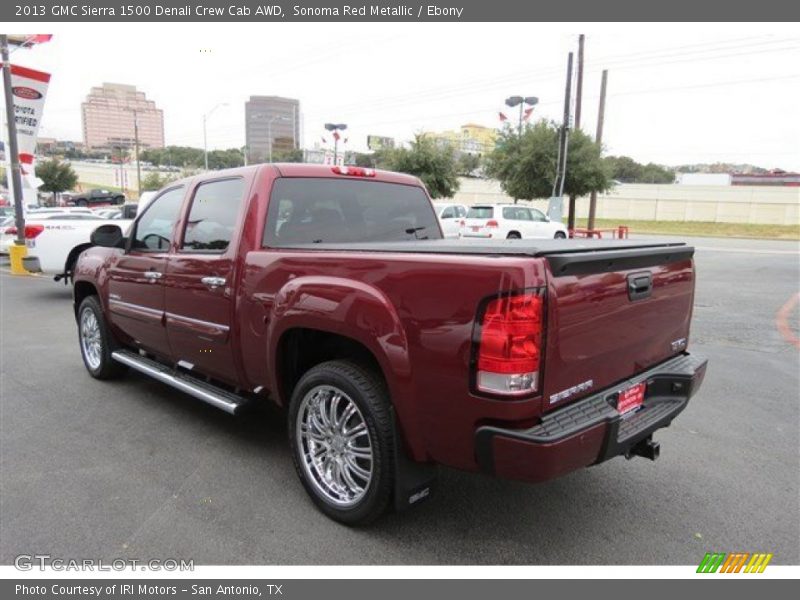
782 320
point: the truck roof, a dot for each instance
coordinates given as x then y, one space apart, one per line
308 170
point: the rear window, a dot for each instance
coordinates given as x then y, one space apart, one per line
480 212
315 210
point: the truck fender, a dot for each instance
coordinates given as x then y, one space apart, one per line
358 311
69 264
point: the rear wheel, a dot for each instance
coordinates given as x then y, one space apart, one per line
513 236
96 341
341 435
81 202
560 235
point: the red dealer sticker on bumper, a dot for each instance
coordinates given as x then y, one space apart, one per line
631 399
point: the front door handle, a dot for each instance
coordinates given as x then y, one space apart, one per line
213 282
152 275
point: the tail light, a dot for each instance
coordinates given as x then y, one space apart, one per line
353 171
31 231
492 223
510 345
462 223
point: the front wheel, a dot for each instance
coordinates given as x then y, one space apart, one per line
341 434
96 341
513 236
81 203
560 235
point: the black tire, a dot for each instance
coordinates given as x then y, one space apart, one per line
513 235
367 390
81 202
560 235
101 366
119 200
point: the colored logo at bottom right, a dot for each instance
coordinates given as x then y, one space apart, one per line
734 562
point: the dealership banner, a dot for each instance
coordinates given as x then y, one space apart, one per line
29 90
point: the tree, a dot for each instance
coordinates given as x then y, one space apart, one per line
526 165
468 164
434 164
627 170
288 156
57 176
153 181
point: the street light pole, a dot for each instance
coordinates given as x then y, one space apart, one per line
335 128
15 177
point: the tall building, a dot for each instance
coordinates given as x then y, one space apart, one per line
271 122
108 118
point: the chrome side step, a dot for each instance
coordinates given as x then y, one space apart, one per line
218 397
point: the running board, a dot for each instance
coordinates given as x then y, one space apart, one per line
213 395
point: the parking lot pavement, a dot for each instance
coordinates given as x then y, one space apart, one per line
134 469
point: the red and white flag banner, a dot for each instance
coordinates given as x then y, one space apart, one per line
29 89
503 117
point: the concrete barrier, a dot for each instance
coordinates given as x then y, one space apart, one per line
654 202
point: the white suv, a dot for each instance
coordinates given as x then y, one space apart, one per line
512 221
451 217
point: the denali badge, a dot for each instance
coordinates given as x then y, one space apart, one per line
678 344
564 394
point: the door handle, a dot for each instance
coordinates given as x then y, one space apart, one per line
213 282
152 275
640 285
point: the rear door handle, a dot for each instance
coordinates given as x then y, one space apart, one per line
152 275
213 282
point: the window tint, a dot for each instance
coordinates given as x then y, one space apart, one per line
462 212
538 215
509 212
315 210
523 214
449 212
154 228
480 212
212 216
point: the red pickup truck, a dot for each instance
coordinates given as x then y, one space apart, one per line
330 292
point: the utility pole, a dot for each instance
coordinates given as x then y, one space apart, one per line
579 83
563 145
15 177
601 113
136 149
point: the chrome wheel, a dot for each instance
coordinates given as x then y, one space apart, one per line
335 445
91 342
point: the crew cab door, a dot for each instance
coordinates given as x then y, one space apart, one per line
135 278
199 288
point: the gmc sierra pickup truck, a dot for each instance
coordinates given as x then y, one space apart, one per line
330 292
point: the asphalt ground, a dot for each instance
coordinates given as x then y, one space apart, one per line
133 469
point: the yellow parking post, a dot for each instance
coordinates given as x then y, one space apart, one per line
16 253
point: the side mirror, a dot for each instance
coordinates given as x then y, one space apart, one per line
108 236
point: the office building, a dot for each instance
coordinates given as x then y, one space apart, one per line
108 118
272 125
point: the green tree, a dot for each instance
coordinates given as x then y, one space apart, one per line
57 176
153 181
288 156
526 165
627 170
468 164
434 164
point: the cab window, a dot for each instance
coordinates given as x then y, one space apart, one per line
154 228
212 216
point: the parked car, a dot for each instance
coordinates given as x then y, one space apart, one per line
6 239
95 197
63 210
510 221
451 218
109 213
330 292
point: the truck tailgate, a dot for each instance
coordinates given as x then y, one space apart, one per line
612 314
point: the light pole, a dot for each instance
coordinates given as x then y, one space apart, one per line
335 128
513 101
205 136
136 147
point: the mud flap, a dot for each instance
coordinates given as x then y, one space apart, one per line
414 481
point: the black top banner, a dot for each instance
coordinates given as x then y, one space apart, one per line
54 11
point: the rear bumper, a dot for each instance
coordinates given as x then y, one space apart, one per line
591 430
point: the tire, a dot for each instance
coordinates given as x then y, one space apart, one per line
513 236
81 202
308 432
96 341
560 235
119 200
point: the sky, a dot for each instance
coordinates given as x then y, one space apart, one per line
677 93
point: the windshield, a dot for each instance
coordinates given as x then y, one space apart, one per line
316 210
480 212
